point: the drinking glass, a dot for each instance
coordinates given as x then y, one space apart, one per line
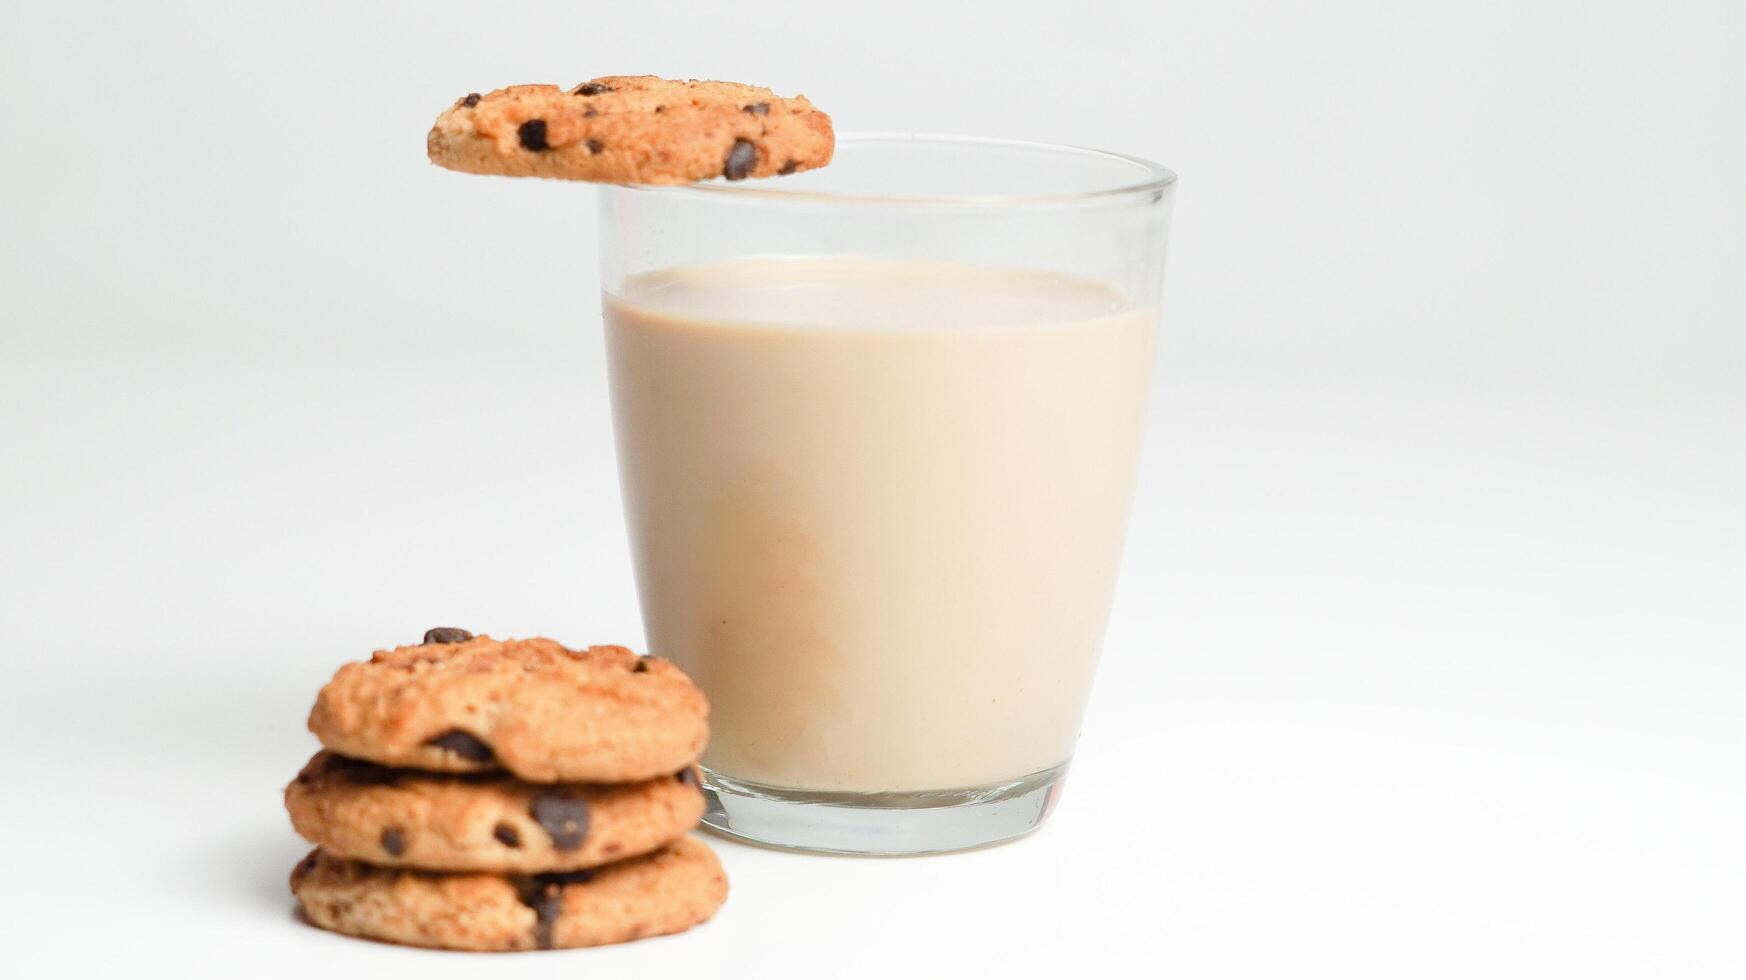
878 427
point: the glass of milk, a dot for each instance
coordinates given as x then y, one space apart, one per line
878 427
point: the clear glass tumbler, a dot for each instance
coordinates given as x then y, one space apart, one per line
878 427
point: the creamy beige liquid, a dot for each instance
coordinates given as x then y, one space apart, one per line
877 507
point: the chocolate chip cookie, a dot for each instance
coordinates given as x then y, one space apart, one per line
461 703
668 891
484 821
632 129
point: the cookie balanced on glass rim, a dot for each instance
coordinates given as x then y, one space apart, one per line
632 129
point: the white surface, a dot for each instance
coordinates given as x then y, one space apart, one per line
1428 659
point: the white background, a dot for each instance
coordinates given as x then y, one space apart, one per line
1429 657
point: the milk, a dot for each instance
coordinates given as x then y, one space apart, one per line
877 507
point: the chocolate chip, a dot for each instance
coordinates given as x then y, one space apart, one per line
590 112
339 768
533 135
306 865
660 109
506 835
545 895
446 634
688 776
546 899
758 108
642 666
595 146
593 88
568 877
564 818
526 887
788 168
393 841
358 772
740 160
464 744
471 99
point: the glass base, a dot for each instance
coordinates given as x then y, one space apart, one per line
880 823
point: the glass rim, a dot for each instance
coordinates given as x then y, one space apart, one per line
1153 179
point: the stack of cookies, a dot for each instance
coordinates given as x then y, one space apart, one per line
486 794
